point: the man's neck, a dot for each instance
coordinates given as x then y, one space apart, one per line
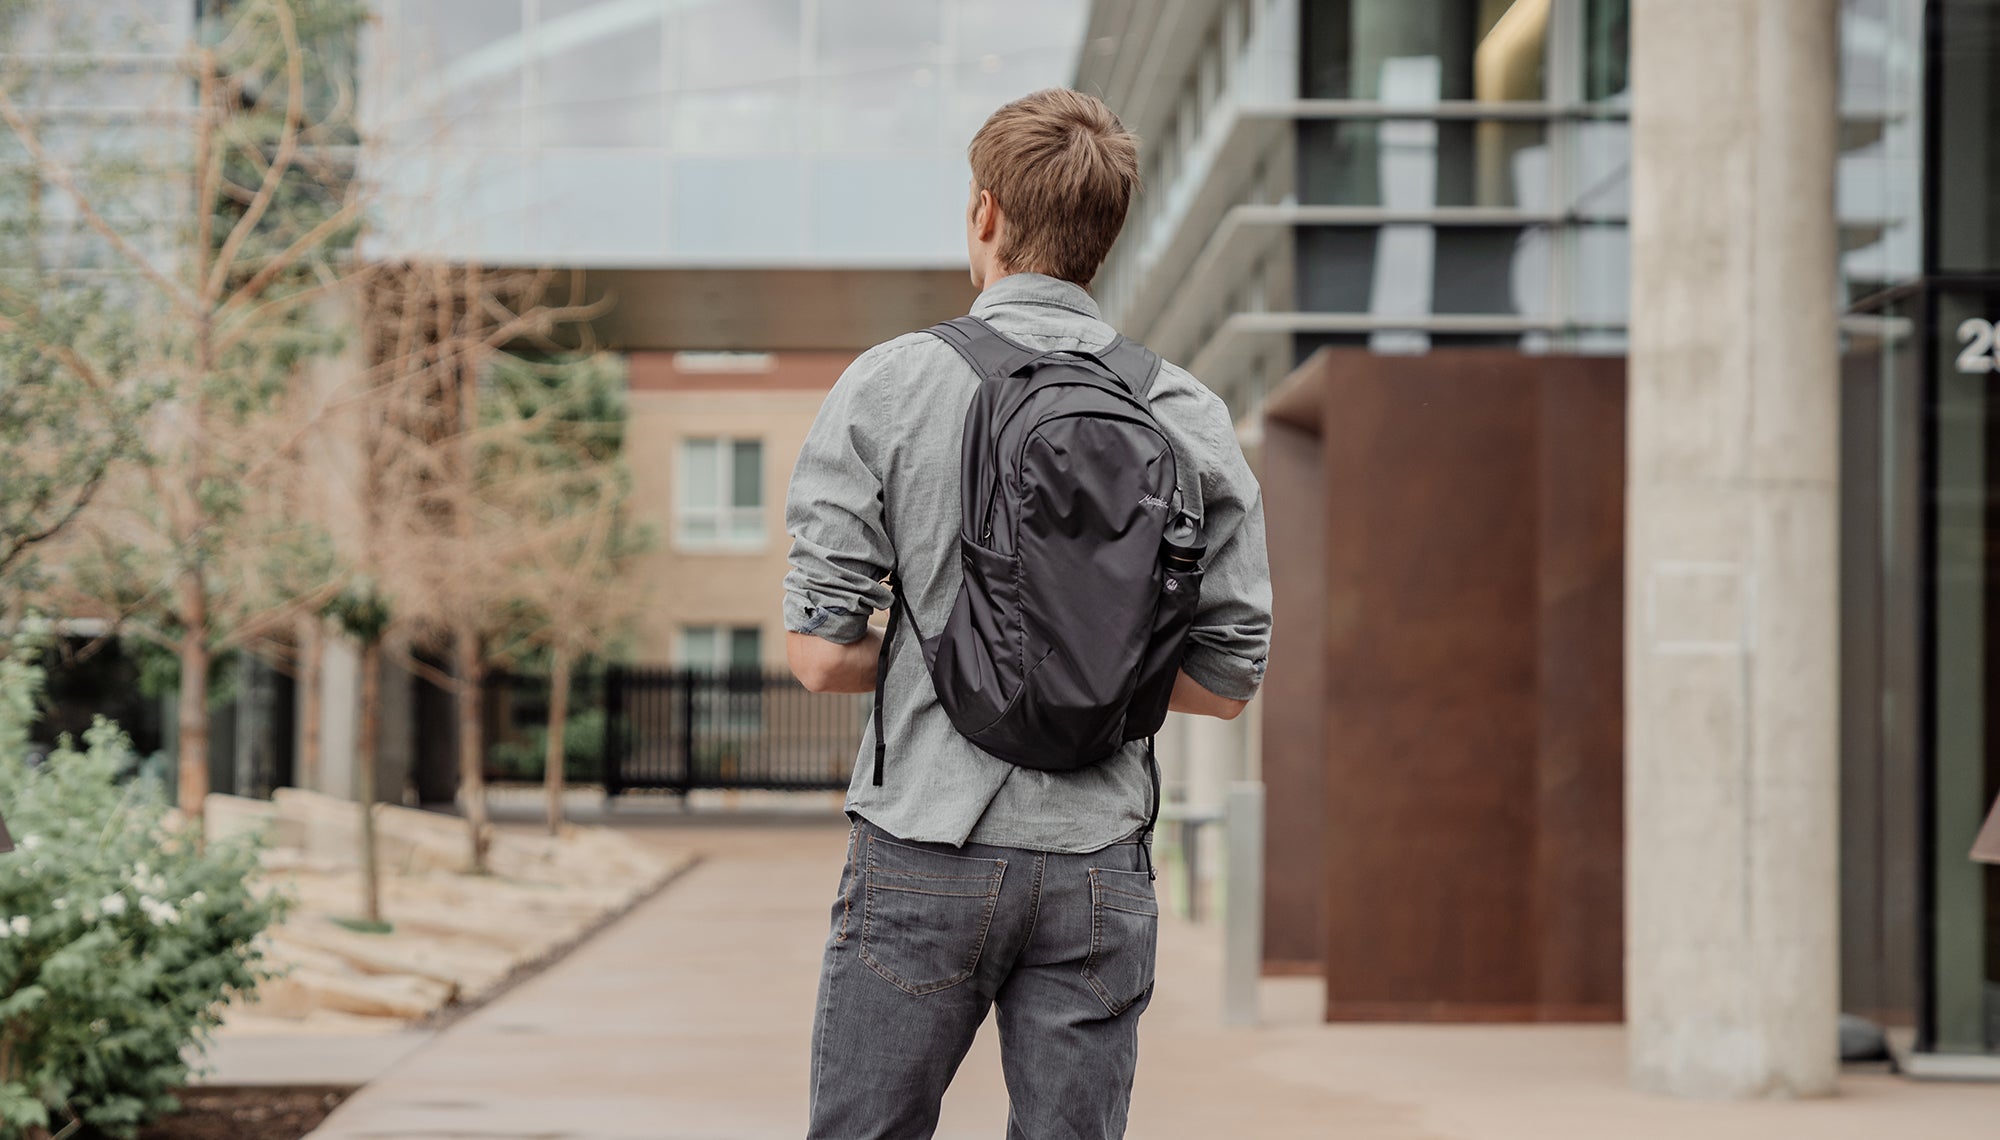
994 275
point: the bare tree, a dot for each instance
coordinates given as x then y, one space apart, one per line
477 464
220 284
241 281
576 589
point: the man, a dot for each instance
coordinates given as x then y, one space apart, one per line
970 882
1985 849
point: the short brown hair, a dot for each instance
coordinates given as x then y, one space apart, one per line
1063 169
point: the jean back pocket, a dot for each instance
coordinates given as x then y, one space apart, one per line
925 914
1124 937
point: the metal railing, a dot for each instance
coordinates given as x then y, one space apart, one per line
678 729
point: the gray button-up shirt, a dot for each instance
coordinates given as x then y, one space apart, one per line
876 488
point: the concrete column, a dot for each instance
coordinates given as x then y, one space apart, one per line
1731 671
1215 761
340 717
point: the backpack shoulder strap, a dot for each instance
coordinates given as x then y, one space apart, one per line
1135 365
899 615
986 348
992 353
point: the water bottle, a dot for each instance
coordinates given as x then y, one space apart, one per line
1181 547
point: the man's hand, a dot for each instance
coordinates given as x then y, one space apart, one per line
824 666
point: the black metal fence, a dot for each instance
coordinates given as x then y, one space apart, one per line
678 730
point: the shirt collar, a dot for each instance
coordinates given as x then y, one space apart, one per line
1035 289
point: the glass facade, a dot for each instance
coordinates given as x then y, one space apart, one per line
1921 516
100 119
658 133
1417 174
1880 173
1967 231
1401 52
1399 174
1408 174
1354 162
1490 137
1881 713
1964 769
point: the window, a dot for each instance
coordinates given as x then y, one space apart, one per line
731 657
721 649
722 492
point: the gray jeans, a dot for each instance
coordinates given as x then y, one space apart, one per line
927 937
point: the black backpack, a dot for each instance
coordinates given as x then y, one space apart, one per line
1070 624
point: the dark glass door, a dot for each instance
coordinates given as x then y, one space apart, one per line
1964 772
1883 402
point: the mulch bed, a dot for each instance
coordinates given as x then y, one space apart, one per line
247 1113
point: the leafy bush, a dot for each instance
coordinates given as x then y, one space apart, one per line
583 750
119 936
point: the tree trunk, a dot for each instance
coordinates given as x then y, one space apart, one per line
471 743
194 615
366 758
471 667
312 642
192 732
552 770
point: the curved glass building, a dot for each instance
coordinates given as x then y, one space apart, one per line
739 133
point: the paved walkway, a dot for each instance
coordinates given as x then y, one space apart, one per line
347 1059
689 1020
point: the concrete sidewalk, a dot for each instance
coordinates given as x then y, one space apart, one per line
690 1019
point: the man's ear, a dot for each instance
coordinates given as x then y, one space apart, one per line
986 216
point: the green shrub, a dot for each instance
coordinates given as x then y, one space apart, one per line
119 936
583 750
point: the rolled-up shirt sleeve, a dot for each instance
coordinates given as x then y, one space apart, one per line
833 511
1231 638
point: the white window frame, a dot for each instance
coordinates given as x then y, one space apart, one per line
721 514
718 637
719 706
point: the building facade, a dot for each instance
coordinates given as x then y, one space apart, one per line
764 188
760 189
1398 176
1414 176
1921 107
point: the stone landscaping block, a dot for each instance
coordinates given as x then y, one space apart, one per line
413 842
454 936
406 841
227 817
460 965
388 995
329 829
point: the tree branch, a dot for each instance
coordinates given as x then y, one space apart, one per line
61 354
418 668
20 544
298 249
263 623
236 329
281 161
